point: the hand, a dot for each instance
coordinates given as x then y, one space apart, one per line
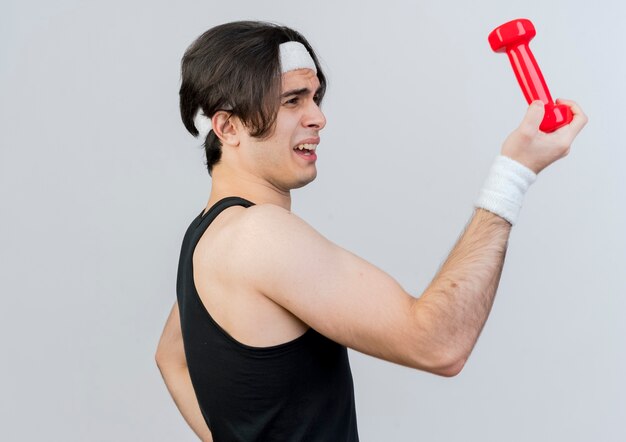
537 150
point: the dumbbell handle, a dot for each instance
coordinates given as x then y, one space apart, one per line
528 74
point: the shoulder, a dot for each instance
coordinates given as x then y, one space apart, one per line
261 213
273 232
246 241
268 220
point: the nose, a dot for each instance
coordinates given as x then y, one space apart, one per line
314 117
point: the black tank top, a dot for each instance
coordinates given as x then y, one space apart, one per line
300 390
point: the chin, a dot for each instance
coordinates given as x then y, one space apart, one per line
304 180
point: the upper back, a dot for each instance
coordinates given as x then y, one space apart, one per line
301 388
233 300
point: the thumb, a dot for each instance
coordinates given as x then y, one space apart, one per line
534 116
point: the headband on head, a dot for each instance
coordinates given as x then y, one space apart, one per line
293 55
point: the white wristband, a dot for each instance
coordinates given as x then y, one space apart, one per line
504 188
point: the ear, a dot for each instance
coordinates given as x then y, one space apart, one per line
226 127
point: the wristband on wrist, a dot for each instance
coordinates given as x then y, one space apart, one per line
504 188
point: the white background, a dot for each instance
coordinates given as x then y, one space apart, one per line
99 180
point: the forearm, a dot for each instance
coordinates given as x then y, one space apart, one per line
179 385
455 306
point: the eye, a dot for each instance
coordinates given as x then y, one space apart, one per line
317 98
294 100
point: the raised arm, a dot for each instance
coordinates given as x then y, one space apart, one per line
356 304
456 304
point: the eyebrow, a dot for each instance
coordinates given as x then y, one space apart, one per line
301 91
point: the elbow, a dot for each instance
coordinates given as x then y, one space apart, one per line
164 364
158 359
167 360
434 349
451 370
161 358
442 364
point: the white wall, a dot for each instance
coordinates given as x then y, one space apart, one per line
99 180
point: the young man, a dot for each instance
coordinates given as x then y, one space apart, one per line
255 346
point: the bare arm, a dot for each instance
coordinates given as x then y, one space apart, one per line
455 306
172 363
356 304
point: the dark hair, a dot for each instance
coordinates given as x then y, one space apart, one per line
236 67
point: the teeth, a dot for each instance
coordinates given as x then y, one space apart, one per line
310 147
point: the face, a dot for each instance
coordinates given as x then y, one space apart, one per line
286 159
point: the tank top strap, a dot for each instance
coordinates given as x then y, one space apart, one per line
217 208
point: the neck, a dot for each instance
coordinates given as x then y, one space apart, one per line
227 181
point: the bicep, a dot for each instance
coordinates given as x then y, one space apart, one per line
340 295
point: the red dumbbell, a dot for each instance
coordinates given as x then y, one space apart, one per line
513 38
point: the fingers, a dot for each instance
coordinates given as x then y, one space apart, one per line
579 120
572 104
534 116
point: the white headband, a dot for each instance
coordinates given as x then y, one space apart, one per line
293 55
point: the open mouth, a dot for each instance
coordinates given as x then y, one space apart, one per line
305 149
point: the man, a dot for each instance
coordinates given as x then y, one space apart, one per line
255 346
